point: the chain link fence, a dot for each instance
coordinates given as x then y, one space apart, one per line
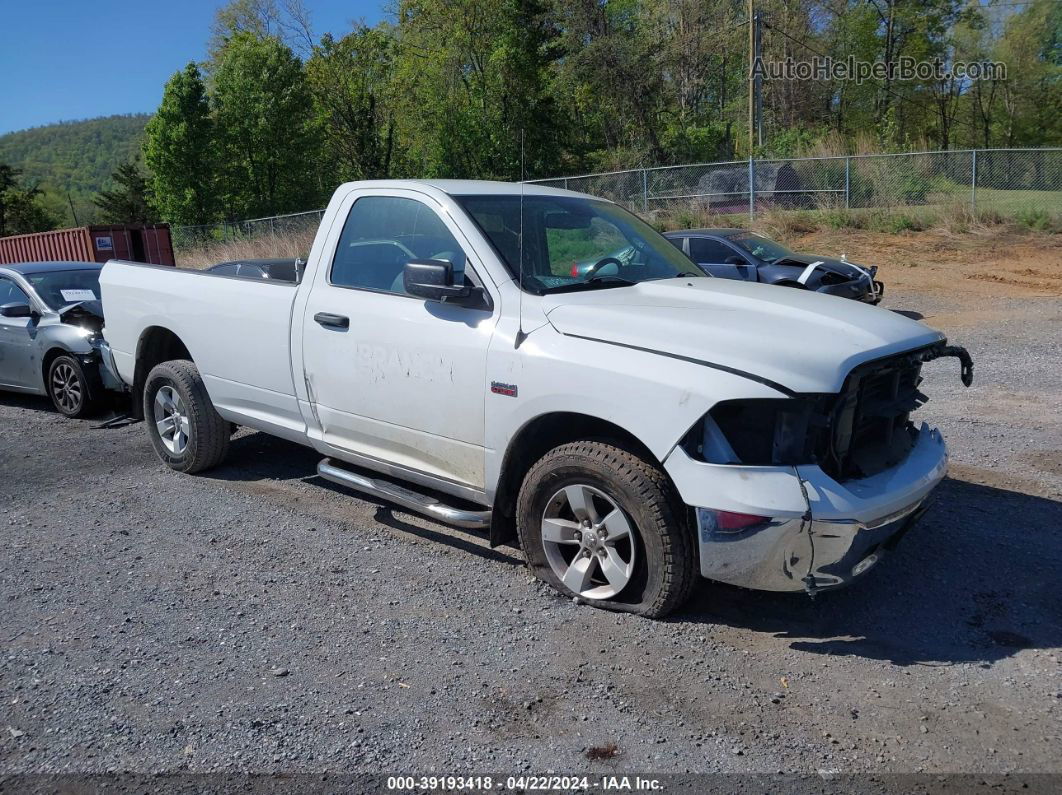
1011 182
1021 184
277 226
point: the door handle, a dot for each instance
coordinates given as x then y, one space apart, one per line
332 321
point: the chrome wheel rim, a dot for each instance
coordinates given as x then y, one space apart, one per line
66 387
171 420
589 542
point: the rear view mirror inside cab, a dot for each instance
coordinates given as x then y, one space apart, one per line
568 220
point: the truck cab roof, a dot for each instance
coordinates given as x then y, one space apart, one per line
471 187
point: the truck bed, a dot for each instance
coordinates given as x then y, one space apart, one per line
234 326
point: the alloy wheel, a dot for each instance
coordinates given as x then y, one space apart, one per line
589 541
66 387
171 419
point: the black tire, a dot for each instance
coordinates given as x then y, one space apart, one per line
665 568
69 388
208 434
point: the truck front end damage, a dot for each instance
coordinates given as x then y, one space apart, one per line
811 491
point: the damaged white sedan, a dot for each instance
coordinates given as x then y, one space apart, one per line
633 423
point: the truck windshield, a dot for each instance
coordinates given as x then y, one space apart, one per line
61 288
571 243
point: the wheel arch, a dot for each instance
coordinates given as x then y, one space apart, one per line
533 440
157 344
53 353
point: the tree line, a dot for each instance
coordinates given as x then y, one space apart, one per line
275 117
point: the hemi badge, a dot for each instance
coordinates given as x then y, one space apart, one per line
498 388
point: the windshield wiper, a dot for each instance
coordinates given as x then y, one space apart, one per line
593 283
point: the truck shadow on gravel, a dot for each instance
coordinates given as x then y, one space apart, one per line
258 458
974 582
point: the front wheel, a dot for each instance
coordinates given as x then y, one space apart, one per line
184 427
605 525
68 388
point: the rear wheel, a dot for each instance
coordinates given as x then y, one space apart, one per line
68 387
184 427
602 524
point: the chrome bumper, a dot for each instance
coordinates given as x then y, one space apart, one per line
795 555
853 523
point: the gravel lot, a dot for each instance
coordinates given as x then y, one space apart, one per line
259 619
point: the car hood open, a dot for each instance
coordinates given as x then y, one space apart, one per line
797 340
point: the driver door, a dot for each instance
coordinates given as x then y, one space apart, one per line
720 260
18 366
391 377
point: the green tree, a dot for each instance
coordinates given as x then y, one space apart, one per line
267 140
349 80
287 20
179 151
471 89
1031 47
21 211
131 201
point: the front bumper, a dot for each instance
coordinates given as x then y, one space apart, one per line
795 555
107 369
870 292
852 524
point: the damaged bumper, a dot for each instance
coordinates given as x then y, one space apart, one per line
108 370
851 526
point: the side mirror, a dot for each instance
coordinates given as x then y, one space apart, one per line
433 280
16 310
735 260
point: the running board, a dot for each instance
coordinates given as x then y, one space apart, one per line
407 498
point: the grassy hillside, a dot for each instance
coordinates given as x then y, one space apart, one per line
74 157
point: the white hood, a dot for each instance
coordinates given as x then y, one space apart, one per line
804 341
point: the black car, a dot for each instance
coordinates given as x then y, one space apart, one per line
281 270
752 257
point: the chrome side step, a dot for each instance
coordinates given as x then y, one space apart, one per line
407 498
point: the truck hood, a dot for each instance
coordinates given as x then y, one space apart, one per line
797 340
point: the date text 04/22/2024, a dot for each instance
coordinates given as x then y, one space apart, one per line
549 783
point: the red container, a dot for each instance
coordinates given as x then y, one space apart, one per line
136 242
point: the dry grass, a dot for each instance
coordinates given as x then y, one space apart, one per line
956 217
287 246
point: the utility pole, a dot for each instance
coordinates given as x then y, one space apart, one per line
755 80
757 37
752 64
73 212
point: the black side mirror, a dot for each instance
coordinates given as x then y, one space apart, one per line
735 260
433 280
16 310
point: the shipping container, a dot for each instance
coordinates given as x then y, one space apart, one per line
149 243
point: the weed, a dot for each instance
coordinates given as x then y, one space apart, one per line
599 752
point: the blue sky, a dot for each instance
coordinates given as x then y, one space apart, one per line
72 59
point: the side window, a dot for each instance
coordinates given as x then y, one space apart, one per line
676 242
228 269
382 234
710 251
11 293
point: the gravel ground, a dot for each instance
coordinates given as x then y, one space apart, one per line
259 619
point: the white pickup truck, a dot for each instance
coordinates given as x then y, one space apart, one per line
632 422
